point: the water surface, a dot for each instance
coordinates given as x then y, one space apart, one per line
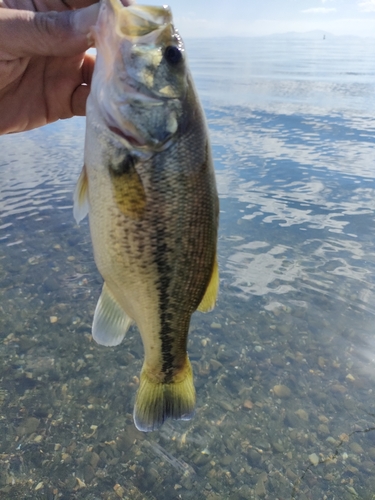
284 366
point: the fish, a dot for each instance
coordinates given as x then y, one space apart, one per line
148 186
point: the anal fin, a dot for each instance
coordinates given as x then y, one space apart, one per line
110 321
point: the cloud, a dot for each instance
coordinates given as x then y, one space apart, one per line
318 10
367 6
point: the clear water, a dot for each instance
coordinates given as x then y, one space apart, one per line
284 366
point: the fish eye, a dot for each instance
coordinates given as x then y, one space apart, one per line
173 54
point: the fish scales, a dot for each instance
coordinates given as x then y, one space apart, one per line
148 185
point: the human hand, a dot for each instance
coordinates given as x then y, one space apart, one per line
45 73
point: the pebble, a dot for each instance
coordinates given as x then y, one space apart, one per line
215 365
119 490
31 425
94 459
329 477
356 448
283 329
80 483
50 285
338 389
66 458
323 419
260 489
331 440
245 492
352 491
321 362
291 475
248 404
53 319
254 457
291 419
314 459
278 446
226 405
215 326
282 391
226 460
323 430
302 414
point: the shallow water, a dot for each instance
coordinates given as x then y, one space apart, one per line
284 366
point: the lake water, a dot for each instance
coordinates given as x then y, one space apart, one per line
285 364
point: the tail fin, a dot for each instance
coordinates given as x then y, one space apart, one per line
156 402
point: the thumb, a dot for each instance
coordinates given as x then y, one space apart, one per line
25 34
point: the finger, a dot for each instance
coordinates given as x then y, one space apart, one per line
80 95
24 33
88 68
79 98
46 5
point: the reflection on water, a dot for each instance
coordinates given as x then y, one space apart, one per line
284 366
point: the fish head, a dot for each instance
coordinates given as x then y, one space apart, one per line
141 76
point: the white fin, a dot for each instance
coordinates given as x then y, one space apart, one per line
110 321
81 197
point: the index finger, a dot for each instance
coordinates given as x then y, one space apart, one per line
24 33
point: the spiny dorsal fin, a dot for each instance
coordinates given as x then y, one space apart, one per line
209 299
110 321
81 197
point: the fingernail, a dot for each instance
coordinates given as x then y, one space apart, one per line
85 18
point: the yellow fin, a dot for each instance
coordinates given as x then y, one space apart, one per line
156 401
209 299
110 320
81 198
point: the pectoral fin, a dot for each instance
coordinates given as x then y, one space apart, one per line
110 321
209 299
81 198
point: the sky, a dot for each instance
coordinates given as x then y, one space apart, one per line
209 18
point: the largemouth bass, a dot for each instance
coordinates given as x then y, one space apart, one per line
148 185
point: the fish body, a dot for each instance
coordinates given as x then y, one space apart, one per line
148 185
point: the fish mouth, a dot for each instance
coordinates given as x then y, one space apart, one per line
134 21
